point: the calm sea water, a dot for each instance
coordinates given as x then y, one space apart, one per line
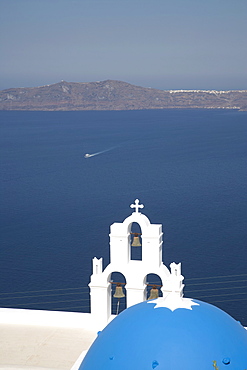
188 167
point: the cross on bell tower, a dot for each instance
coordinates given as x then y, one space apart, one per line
136 206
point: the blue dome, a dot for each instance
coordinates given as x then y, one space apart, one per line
191 335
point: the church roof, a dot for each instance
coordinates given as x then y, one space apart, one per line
171 333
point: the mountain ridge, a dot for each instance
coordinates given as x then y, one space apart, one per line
116 95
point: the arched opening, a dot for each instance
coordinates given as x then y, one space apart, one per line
135 242
153 281
118 292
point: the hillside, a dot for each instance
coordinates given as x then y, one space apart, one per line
115 95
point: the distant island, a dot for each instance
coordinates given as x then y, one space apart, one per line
116 95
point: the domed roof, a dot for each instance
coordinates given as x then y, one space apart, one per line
171 333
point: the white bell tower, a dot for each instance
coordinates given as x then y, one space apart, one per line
134 271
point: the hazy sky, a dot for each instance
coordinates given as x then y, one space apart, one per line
166 44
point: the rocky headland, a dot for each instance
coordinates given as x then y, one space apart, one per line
116 95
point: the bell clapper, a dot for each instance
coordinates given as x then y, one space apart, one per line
118 303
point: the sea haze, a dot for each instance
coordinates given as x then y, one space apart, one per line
188 167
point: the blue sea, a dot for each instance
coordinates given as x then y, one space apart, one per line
188 167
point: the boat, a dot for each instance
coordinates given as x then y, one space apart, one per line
87 155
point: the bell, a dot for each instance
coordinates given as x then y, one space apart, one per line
154 293
119 292
136 241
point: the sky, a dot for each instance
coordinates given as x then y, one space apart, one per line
164 44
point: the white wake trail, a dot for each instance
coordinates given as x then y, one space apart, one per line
101 152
